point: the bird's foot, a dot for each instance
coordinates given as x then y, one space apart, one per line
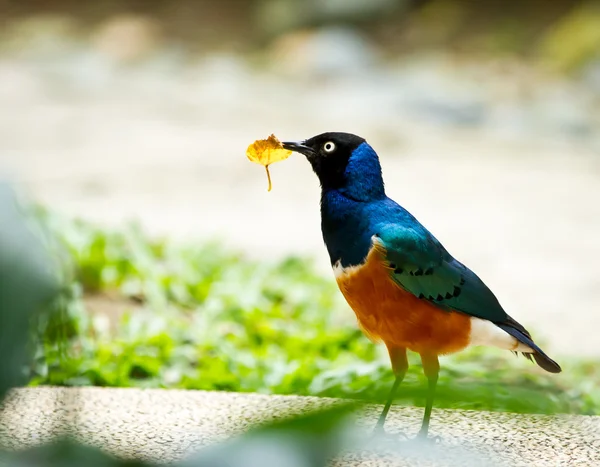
380 433
423 437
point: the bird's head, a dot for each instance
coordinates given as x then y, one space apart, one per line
343 162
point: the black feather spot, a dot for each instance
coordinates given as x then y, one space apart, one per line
393 265
398 270
462 281
428 271
457 291
421 295
431 297
418 272
439 298
449 295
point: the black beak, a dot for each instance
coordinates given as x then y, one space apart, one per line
298 146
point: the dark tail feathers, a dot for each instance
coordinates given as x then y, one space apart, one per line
521 334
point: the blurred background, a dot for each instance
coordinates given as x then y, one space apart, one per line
486 116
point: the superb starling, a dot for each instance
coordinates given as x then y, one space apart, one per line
404 287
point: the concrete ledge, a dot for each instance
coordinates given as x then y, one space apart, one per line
166 425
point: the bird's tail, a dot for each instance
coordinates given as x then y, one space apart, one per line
522 335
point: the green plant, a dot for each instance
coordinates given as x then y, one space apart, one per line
202 317
27 288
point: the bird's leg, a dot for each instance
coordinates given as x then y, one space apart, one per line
399 365
379 427
431 367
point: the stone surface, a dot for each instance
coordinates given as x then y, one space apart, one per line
166 425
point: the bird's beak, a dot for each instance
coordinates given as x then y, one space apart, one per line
298 146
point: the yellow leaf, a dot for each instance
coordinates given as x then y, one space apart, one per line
267 151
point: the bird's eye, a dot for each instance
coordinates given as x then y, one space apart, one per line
329 146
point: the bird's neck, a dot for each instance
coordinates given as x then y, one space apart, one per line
347 203
359 179
363 180
345 224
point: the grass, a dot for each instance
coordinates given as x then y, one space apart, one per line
202 317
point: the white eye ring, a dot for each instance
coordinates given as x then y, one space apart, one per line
329 146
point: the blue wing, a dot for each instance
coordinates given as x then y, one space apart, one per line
423 267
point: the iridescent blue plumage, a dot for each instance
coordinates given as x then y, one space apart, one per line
355 209
349 211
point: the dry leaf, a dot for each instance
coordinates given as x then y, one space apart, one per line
267 151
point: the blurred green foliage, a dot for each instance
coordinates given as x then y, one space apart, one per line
563 33
202 317
27 287
574 40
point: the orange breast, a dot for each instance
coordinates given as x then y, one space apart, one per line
387 312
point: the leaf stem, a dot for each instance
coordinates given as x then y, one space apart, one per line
268 177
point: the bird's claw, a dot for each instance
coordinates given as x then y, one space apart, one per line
428 439
380 433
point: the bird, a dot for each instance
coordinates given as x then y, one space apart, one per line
405 288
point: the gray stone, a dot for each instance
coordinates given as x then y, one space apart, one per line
168 425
